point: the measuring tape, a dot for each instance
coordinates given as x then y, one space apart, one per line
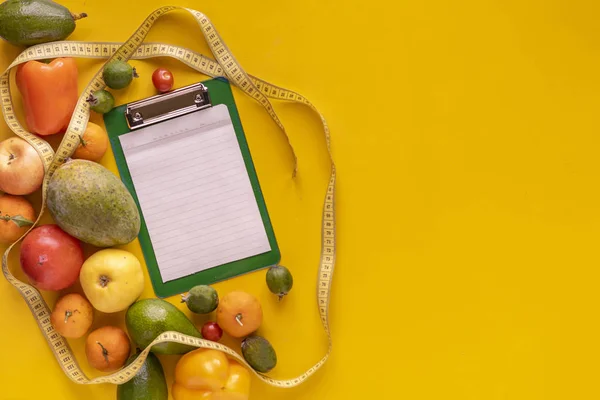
226 66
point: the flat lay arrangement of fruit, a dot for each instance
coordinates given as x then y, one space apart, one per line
91 206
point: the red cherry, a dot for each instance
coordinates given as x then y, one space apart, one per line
212 331
163 80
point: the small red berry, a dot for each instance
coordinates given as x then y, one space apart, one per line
212 331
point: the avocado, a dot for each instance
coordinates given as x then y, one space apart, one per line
201 299
90 203
259 353
148 318
29 22
148 384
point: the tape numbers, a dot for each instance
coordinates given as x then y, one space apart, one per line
224 65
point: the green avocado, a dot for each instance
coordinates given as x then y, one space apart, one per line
29 22
148 384
148 318
90 203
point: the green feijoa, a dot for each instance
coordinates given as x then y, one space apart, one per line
259 353
201 299
280 280
101 101
118 74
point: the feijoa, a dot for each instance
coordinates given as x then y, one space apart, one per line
101 101
280 280
259 353
201 299
118 74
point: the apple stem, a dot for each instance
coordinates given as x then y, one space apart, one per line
104 280
68 313
238 318
104 351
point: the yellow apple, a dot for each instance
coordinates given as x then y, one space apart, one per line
112 280
21 168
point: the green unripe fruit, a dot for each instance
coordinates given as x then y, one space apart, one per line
280 281
118 74
259 353
201 299
101 101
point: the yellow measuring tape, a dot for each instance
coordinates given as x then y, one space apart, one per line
225 65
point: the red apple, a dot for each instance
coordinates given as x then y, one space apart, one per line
21 168
51 258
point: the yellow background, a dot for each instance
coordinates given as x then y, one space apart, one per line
466 136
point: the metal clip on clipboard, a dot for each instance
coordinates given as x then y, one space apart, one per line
168 105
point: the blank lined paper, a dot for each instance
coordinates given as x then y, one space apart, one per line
195 193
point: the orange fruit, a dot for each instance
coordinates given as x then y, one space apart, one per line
94 143
72 316
12 207
209 374
239 314
107 348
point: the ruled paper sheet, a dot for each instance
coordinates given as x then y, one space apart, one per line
194 192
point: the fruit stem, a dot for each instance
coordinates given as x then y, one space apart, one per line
281 296
185 297
135 74
104 280
11 157
93 100
79 16
68 313
238 318
104 351
17 219
83 142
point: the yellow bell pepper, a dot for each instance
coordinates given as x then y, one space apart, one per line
206 374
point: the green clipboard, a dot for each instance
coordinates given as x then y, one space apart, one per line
117 125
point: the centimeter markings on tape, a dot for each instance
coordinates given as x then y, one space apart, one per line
226 66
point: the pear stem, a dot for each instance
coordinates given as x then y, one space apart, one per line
238 318
79 16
